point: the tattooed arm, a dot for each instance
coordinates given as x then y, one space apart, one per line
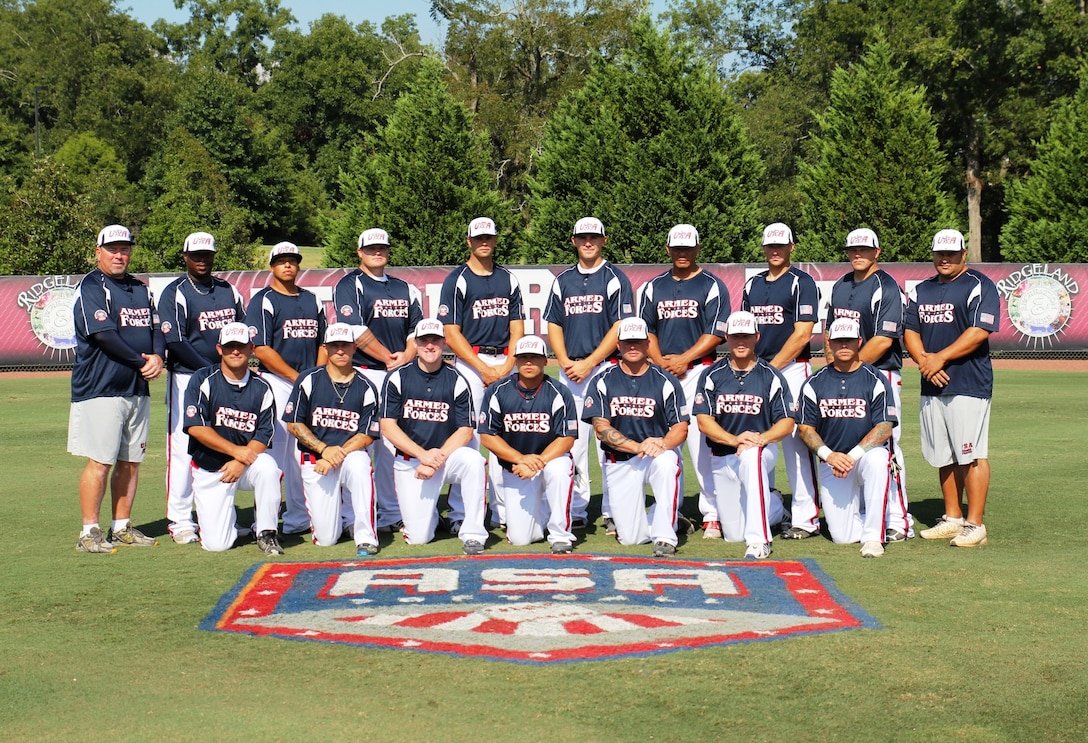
612 438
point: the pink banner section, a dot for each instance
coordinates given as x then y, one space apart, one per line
1037 302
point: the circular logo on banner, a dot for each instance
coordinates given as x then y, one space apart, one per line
51 318
1039 306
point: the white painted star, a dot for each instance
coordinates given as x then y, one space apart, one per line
664 600
280 575
308 633
250 612
666 645
600 558
766 632
564 597
411 599
807 590
713 601
824 611
362 601
540 655
267 593
411 644
461 599
614 598
792 573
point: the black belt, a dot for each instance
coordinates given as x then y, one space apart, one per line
618 456
492 350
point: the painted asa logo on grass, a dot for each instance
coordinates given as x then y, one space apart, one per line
536 608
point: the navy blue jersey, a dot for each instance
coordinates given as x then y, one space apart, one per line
844 407
528 421
777 305
333 413
428 406
106 304
293 326
877 305
483 306
194 313
940 312
587 304
752 400
389 308
639 407
681 312
239 412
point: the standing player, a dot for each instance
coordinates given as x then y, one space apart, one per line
229 416
332 412
529 422
287 323
872 298
846 418
118 350
389 309
743 407
685 309
428 417
480 305
585 305
193 310
638 411
948 324
784 300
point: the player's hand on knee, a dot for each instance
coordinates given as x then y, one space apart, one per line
245 455
323 467
232 471
433 458
334 455
424 471
525 473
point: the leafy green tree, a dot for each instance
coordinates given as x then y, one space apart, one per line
423 177
650 141
97 172
877 163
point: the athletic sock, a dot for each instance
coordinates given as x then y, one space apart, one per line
120 524
87 529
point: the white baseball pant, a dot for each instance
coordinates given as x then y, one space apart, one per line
325 501
698 450
746 506
583 488
493 479
381 456
179 465
854 505
285 451
898 517
214 501
418 499
799 460
543 499
627 481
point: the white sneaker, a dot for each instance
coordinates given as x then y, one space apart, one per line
872 548
758 552
185 536
971 536
945 528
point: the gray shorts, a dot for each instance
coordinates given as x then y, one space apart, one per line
955 429
108 429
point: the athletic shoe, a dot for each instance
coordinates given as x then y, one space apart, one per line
664 549
758 552
562 548
390 528
684 525
712 530
971 536
366 550
784 524
945 528
472 547
579 524
95 541
796 532
455 528
130 536
872 548
894 535
609 526
268 543
243 532
186 536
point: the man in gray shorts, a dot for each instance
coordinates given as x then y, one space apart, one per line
119 349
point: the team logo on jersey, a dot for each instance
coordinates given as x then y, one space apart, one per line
288 408
346 311
190 412
100 315
536 608
166 327
443 310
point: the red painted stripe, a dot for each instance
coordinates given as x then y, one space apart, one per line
498 627
644 620
580 627
431 620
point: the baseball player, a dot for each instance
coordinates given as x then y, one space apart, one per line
743 407
639 414
584 308
784 300
948 323
529 421
389 309
428 417
333 413
845 417
193 310
480 304
287 323
118 350
685 309
229 416
870 296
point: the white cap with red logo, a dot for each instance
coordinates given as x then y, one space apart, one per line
482 226
633 329
862 238
844 329
234 332
340 332
430 326
373 236
530 345
284 248
198 241
950 241
588 226
683 236
115 233
778 233
741 323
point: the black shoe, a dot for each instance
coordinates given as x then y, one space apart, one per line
268 543
664 549
796 532
562 548
472 547
684 525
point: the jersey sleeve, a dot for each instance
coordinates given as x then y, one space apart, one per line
888 310
676 407
553 310
262 319
173 314
564 413
910 312
94 314
197 410
266 426
239 305
596 398
490 413
450 300
517 306
415 309
392 398
703 403
345 300
985 306
717 309
647 310
808 410
464 414
808 299
297 409
621 298
883 408
779 398
745 296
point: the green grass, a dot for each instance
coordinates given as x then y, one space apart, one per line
975 645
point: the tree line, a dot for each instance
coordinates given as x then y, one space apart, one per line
727 114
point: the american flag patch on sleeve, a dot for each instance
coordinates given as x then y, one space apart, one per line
986 317
806 309
889 326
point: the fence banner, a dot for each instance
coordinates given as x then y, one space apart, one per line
1037 302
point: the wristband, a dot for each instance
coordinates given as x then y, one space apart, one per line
823 452
856 453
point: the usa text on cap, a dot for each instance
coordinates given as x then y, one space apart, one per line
777 234
430 327
284 248
115 233
862 238
234 332
741 323
373 236
948 240
198 241
530 345
340 332
683 236
844 328
482 226
633 329
588 226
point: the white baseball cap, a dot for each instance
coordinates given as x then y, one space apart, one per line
844 328
198 241
530 345
588 226
948 240
482 226
430 326
234 332
340 332
863 238
373 236
633 329
284 248
115 233
741 323
683 236
778 233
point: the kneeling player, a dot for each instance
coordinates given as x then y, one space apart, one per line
742 405
230 418
332 412
529 423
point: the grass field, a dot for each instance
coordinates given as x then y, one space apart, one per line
975 645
